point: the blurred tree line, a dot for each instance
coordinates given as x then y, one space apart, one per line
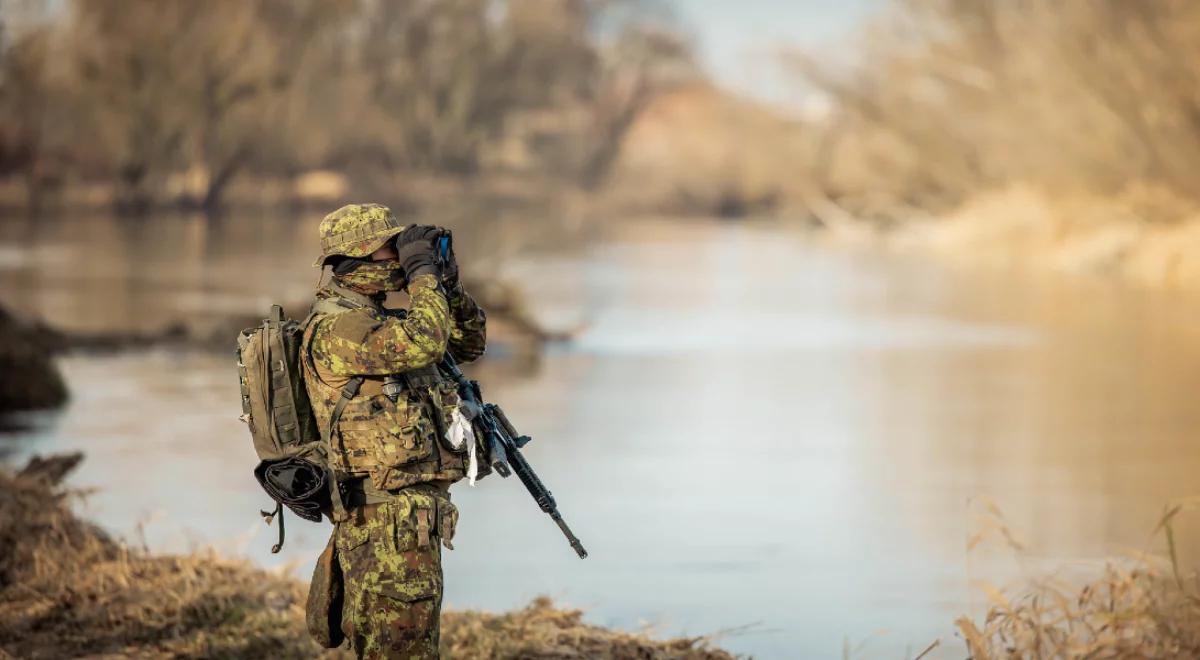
141 94
951 97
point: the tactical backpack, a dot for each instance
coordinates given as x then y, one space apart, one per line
275 406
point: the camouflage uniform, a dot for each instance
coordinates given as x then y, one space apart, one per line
388 550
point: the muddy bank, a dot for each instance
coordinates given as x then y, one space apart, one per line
29 380
69 589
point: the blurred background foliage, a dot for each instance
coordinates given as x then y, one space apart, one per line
951 96
156 103
1061 133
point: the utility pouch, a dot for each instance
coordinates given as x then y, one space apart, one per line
447 522
446 400
326 593
427 517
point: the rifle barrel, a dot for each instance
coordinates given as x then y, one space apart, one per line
571 538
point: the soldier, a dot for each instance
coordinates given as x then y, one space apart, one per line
371 376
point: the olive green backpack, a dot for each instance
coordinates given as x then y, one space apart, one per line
274 401
275 406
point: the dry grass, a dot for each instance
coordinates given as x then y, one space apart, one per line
546 632
67 589
1142 607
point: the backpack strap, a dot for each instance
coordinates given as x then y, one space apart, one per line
333 299
328 306
335 492
348 392
341 300
268 516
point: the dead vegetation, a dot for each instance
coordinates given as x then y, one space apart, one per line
544 631
1051 133
1142 606
953 97
1132 610
67 589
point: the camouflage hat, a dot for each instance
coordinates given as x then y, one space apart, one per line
356 230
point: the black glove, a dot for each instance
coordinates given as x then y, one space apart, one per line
450 265
416 249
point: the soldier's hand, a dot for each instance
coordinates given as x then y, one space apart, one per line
416 249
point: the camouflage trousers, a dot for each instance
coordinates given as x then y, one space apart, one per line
391 565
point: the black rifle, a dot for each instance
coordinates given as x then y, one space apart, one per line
504 445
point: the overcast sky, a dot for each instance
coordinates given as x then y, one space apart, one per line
737 39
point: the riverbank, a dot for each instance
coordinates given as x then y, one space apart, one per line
1142 235
67 589
31 380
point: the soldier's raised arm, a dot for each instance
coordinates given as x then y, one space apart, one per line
366 342
468 333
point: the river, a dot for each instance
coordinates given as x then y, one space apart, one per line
752 433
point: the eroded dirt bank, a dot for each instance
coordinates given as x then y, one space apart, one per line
28 378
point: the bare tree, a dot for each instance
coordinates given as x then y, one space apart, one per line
23 102
160 88
951 96
178 83
641 63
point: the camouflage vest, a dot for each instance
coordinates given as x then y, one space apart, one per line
392 428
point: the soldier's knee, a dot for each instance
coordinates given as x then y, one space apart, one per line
389 627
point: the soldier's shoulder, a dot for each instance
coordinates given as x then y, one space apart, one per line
351 324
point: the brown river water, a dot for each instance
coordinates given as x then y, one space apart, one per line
752 432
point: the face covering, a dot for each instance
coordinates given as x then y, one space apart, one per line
372 277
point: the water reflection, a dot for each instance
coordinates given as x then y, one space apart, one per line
750 430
